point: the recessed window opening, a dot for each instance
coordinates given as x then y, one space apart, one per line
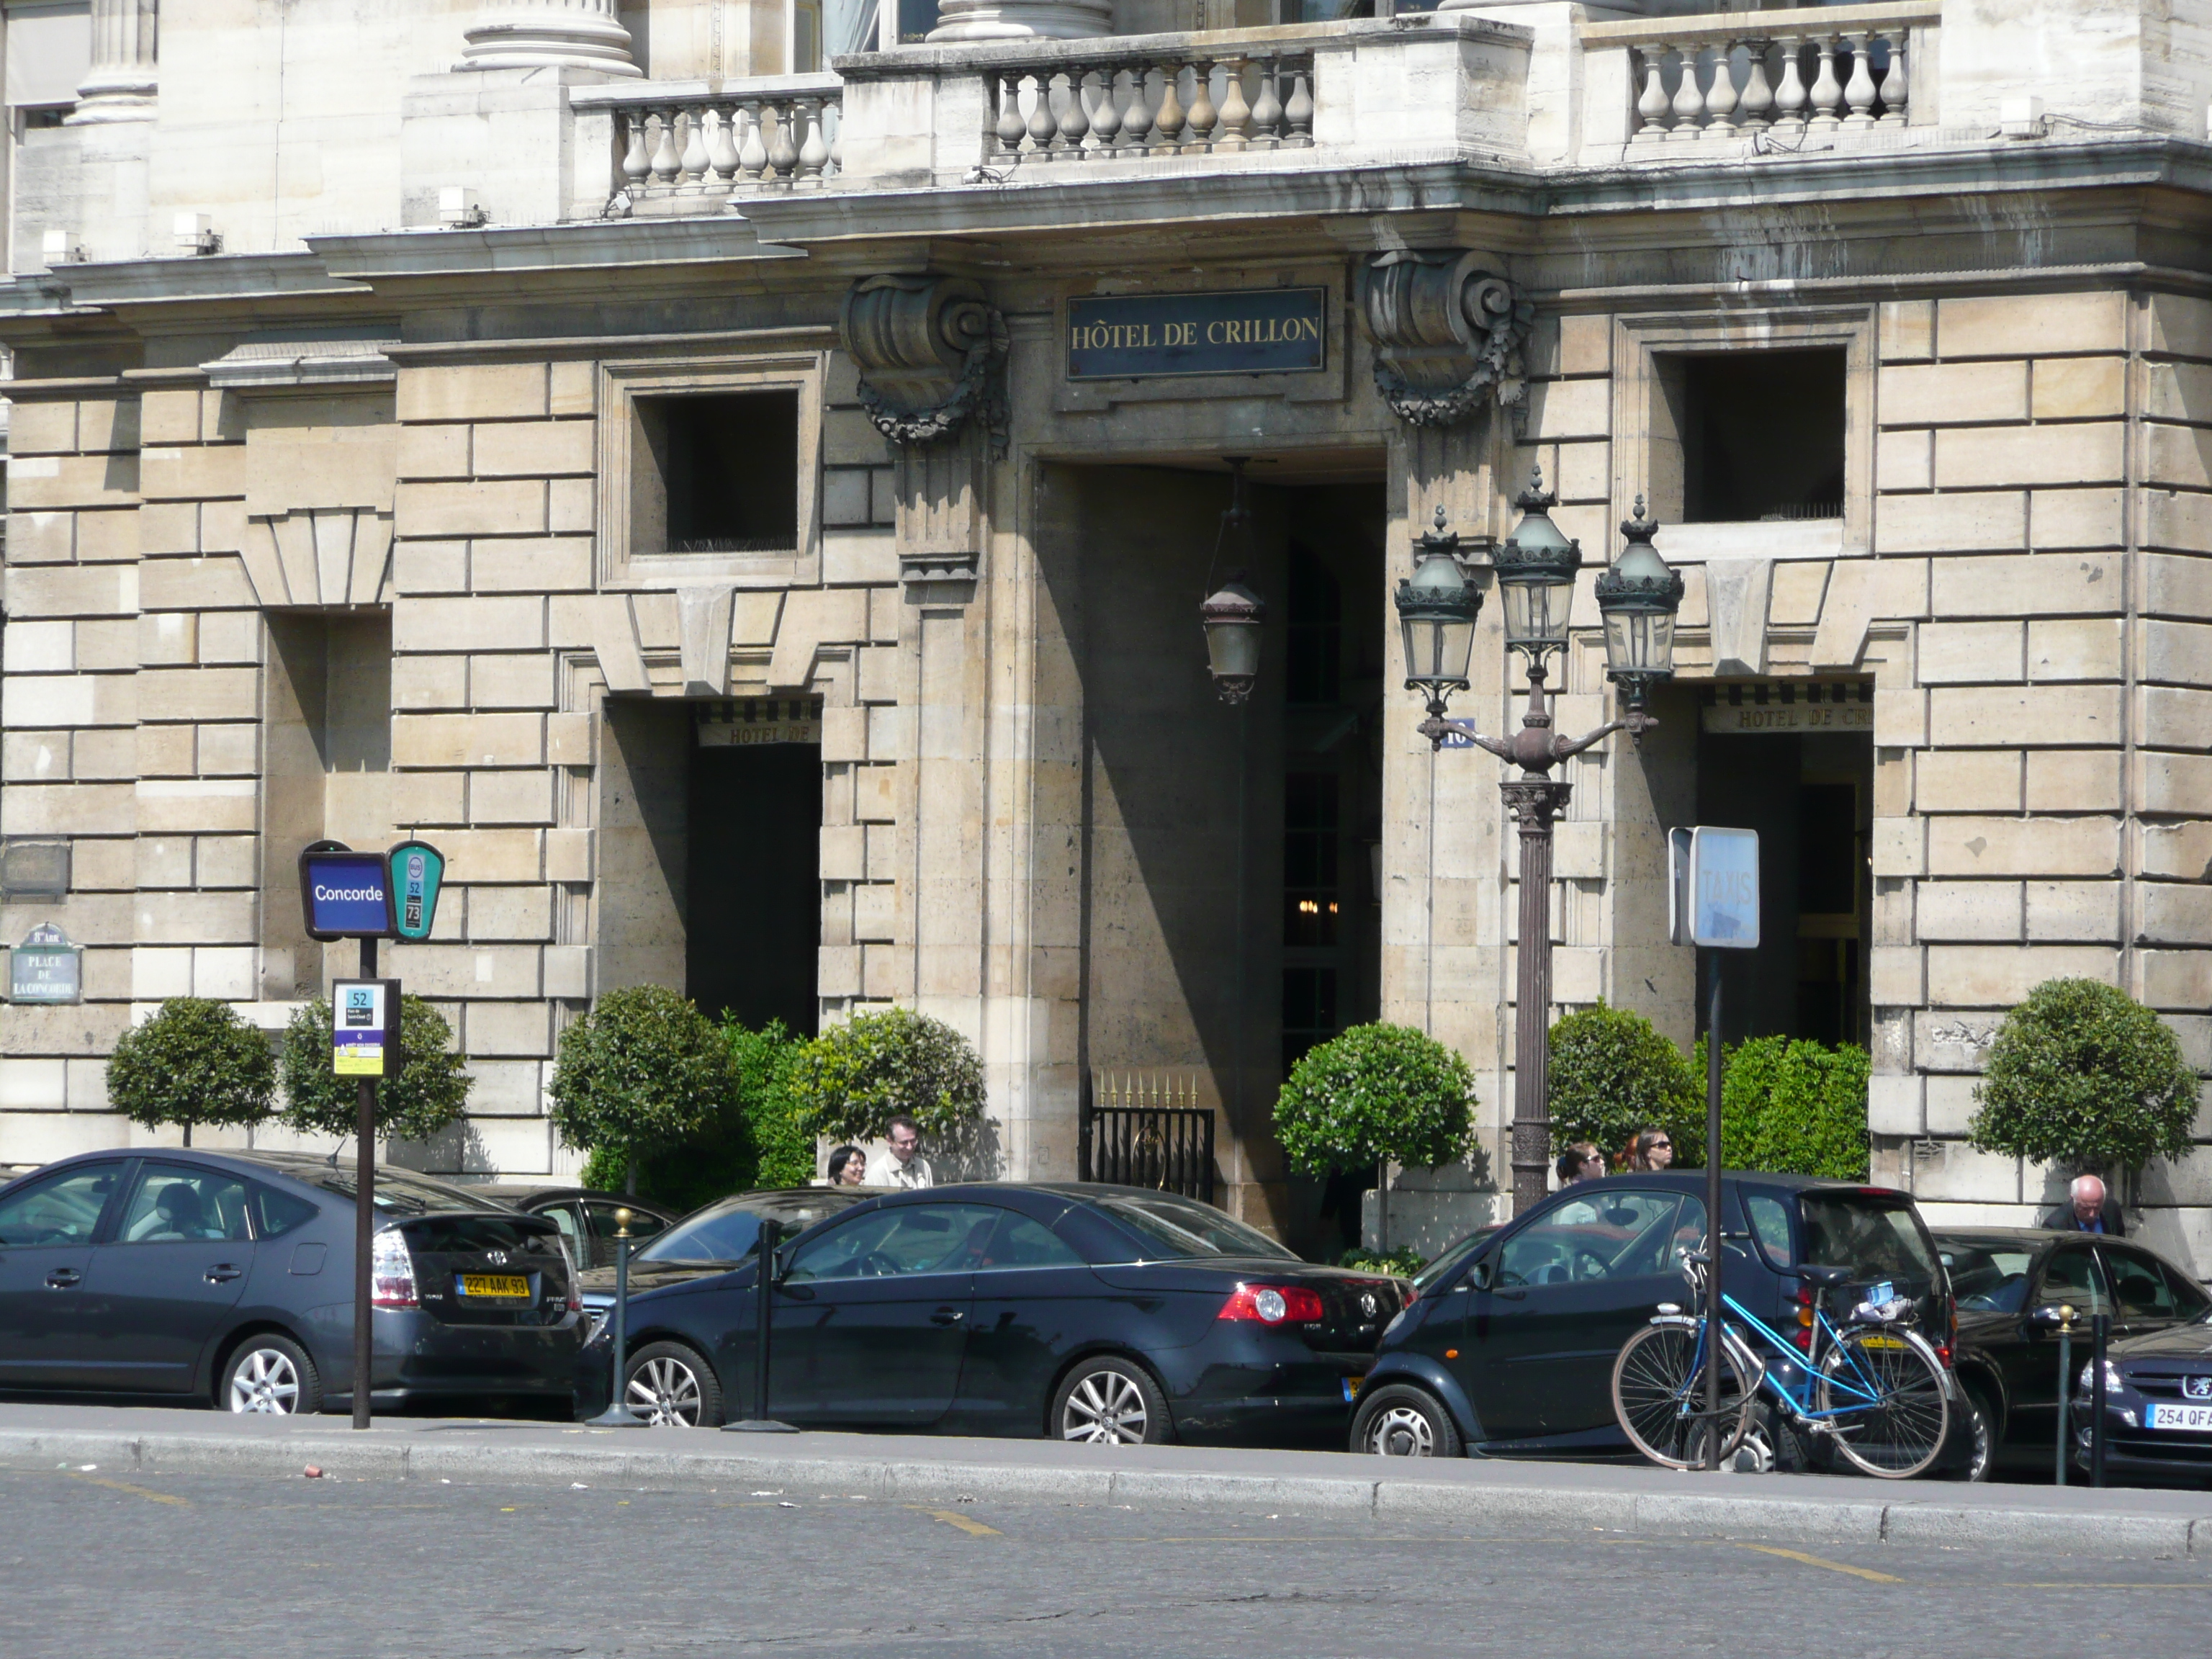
1315 630
1761 435
716 474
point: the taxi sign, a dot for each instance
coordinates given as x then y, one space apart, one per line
1712 893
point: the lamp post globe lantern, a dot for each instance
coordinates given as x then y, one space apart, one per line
1638 597
1536 567
1231 617
1436 609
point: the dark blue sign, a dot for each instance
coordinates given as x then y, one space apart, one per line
345 894
1263 331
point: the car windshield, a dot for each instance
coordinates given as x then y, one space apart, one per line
1173 1226
1453 1255
1874 1233
1987 1277
403 1193
730 1231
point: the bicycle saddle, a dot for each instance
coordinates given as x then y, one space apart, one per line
1829 1276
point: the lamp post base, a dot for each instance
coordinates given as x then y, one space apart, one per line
758 1425
616 1417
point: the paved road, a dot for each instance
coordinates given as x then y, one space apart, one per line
95 1563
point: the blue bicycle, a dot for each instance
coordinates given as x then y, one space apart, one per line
1873 1384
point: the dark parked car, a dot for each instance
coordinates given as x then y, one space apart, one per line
228 1277
2007 1357
1090 1313
585 1216
1509 1347
715 1239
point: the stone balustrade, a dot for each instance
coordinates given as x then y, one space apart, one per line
701 140
1128 105
1808 72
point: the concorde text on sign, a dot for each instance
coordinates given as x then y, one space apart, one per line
1267 331
345 894
1712 895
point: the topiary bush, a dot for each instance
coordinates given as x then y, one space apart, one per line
1612 1074
195 1062
643 1072
1376 1093
2083 1076
853 1079
779 1141
1794 1107
431 1091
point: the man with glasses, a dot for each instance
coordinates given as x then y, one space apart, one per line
901 1164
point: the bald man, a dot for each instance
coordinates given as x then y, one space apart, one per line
2089 1209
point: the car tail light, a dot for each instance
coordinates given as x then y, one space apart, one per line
1803 1336
391 1272
1413 1295
575 1295
1272 1304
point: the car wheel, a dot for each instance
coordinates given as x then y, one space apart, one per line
1981 1425
671 1387
1111 1402
271 1376
1399 1420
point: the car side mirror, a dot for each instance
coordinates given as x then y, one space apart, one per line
1481 1276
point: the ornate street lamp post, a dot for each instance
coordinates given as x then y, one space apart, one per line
1535 568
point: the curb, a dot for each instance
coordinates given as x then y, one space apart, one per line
1705 1514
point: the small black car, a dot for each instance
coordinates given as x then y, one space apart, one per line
1084 1313
585 1216
228 1277
1509 1347
2007 1356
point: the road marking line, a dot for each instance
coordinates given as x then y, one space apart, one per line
1867 1573
135 1491
954 1518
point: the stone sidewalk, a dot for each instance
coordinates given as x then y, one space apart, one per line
918 1468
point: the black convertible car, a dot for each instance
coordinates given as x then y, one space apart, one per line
1088 1313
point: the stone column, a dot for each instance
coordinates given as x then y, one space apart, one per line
121 82
548 34
1023 20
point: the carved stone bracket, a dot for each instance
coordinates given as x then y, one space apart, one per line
1447 333
932 352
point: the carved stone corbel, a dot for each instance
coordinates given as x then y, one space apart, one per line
1446 334
932 353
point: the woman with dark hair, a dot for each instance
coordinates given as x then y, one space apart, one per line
1581 1162
1653 1149
848 1167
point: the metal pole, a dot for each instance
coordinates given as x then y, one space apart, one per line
619 1415
1714 1305
1535 802
1243 952
2101 1332
758 1421
2065 1387
364 1227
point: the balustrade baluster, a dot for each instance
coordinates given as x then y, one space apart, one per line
1859 92
1720 101
1790 98
1105 116
1011 127
1895 88
722 149
1827 90
1042 123
694 163
752 154
636 166
1137 119
1236 113
1168 120
1298 111
665 161
1205 114
1652 107
1689 101
1268 109
833 117
1757 109
813 152
1075 123
782 153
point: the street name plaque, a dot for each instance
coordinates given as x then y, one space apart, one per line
1265 330
45 968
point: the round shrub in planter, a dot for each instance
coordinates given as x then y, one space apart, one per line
853 1079
2083 1076
430 1091
1613 1073
1795 1108
642 1072
195 1062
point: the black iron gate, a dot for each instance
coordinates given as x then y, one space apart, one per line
1140 1131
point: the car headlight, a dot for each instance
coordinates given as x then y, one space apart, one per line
2088 1380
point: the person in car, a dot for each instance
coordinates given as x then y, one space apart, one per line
2089 1209
901 1163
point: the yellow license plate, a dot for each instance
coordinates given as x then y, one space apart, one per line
1351 1386
507 1285
1882 1342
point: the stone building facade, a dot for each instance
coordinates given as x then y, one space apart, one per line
665 472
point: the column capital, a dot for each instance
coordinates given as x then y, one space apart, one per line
548 34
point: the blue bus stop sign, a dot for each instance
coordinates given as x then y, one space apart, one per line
345 894
417 870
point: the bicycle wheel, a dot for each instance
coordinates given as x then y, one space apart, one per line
1659 1397
1897 1433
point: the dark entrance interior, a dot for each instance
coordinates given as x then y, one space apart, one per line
753 907
1808 789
